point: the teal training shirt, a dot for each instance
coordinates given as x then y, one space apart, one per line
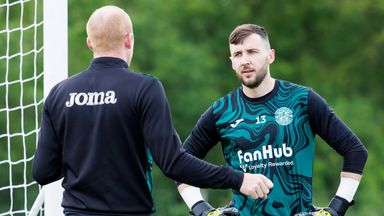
271 135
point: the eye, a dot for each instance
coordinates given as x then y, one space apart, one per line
252 51
237 54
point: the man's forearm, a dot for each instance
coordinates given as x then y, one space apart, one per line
349 183
190 194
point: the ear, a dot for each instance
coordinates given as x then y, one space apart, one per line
232 63
271 56
89 43
129 40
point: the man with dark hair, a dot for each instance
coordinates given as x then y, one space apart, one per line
268 126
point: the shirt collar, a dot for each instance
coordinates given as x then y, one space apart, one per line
109 62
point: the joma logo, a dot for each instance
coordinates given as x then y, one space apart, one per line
91 98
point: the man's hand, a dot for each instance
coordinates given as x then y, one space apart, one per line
203 208
255 185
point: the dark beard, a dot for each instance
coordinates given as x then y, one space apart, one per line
254 83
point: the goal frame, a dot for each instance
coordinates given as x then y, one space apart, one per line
55 70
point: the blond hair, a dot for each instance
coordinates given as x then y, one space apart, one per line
107 28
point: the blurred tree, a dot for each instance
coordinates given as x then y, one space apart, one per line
333 46
336 47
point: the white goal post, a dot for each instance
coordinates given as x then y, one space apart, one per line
55 70
33 58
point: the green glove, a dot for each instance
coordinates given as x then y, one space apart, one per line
322 212
337 207
203 208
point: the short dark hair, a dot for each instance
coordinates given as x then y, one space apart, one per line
242 31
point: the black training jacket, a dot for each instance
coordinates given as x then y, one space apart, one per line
100 131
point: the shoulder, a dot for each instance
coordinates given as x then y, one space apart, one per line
226 102
293 91
140 77
293 86
144 76
228 97
313 96
66 83
147 82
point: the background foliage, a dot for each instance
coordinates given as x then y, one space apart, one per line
335 47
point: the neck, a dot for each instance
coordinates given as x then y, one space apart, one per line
114 54
264 88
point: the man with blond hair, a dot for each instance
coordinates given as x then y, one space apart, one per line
102 128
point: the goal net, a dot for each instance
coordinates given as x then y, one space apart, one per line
24 74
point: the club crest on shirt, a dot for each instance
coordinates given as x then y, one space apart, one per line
284 116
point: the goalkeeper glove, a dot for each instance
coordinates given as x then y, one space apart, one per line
321 212
337 207
229 209
203 208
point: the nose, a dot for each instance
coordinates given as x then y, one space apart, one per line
245 60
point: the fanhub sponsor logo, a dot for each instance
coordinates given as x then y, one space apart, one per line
266 152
